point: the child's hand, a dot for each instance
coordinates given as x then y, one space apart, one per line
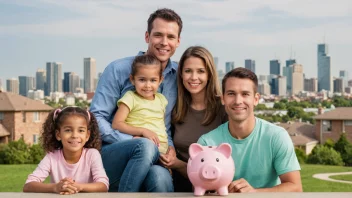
66 187
151 135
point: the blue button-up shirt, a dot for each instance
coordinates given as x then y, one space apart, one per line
114 83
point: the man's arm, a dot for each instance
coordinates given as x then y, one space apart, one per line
104 103
290 182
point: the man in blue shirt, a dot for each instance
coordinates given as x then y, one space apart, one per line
128 161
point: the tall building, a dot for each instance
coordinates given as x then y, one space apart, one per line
324 68
40 76
250 64
66 83
278 86
339 85
275 67
216 62
264 88
297 79
229 66
1 88
89 74
290 62
53 77
344 75
311 85
287 72
74 82
26 83
13 85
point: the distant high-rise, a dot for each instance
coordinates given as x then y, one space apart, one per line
264 88
81 83
1 88
26 84
53 77
344 75
311 85
278 86
275 66
339 85
66 83
89 74
216 62
74 82
12 85
229 66
297 79
324 68
250 64
290 62
40 76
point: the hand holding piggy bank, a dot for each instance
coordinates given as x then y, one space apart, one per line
210 168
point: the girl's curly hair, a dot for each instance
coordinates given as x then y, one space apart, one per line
55 119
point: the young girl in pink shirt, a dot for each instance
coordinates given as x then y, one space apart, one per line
71 140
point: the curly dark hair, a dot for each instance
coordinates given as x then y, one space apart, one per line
48 133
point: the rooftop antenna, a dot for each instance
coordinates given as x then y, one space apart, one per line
291 52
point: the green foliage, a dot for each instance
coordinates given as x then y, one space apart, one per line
279 105
260 107
341 146
329 143
295 112
17 152
2 153
324 155
301 155
347 157
37 153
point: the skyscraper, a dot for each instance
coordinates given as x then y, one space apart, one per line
216 62
66 83
324 68
290 62
250 64
74 82
12 85
339 85
297 79
53 77
275 67
40 76
229 66
278 86
26 83
89 74
344 75
311 85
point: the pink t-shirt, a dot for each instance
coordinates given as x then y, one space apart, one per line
88 169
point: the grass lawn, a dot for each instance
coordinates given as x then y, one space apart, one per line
311 184
12 178
342 177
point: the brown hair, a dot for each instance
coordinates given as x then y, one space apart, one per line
145 60
166 14
243 73
212 93
53 122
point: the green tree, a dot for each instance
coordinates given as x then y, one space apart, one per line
324 155
341 146
37 153
260 107
329 143
301 155
295 112
17 152
279 105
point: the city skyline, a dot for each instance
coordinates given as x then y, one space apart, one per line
64 31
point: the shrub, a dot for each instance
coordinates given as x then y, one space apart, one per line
301 155
347 157
324 155
341 145
2 153
37 153
16 152
329 143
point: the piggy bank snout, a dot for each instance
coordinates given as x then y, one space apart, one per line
210 172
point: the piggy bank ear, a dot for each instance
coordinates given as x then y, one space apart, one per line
225 149
194 149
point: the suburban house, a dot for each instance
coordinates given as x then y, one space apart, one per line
21 117
333 123
302 135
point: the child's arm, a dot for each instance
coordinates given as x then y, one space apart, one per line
91 187
119 124
63 187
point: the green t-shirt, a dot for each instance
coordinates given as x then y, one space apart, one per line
259 158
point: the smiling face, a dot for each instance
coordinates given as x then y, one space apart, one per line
239 99
195 76
73 134
163 39
147 80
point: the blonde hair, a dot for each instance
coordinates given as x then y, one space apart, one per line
212 93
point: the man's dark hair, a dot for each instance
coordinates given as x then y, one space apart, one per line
243 73
166 14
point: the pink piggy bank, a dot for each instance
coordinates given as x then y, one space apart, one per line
210 168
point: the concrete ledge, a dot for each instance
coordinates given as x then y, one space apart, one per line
145 195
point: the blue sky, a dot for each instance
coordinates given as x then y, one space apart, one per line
39 31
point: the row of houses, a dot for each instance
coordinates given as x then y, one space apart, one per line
21 117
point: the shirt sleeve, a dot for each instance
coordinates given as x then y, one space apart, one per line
127 99
41 172
202 141
97 168
285 159
104 101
